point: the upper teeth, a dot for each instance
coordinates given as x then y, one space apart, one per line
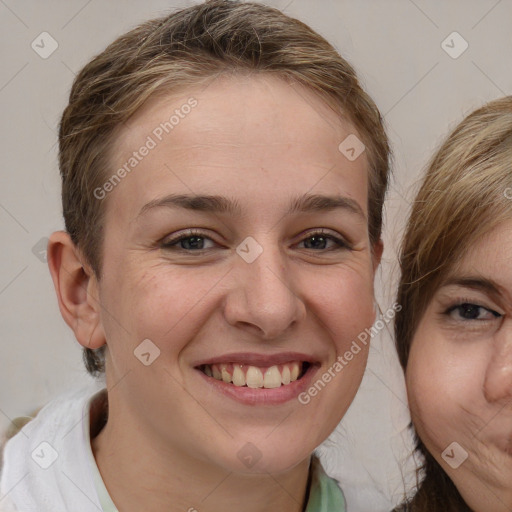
254 376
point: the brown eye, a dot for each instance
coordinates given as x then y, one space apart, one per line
468 311
323 241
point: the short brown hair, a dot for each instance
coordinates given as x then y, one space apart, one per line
185 49
466 192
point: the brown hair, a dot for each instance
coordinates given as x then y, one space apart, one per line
466 192
185 49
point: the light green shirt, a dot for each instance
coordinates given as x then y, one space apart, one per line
324 494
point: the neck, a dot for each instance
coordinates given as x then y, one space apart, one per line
139 475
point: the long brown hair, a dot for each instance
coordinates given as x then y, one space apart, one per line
466 192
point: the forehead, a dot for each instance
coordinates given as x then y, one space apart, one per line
490 253
485 266
242 109
240 128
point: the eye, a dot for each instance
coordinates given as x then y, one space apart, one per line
319 240
196 241
468 311
190 241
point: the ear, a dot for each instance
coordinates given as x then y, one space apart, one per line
77 290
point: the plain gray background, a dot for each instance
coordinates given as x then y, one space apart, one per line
421 89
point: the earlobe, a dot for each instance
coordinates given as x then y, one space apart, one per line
76 287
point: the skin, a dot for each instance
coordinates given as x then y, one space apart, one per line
282 144
459 374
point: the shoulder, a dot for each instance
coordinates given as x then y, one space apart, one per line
14 427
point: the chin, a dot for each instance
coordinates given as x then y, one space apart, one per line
251 460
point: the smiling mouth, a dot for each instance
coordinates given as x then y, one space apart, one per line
244 375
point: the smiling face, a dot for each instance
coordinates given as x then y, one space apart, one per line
459 374
238 246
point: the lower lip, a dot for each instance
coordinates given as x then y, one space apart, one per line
263 396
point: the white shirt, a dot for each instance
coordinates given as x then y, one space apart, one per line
49 463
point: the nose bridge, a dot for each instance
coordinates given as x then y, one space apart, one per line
265 292
498 377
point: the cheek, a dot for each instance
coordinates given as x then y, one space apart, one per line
155 303
443 389
151 300
345 301
345 312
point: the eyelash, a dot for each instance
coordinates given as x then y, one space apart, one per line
172 243
467 302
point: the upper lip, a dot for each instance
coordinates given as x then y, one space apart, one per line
254 359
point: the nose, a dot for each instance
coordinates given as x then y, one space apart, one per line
498 376
264 299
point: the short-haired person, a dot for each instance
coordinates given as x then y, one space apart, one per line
454 331
223 175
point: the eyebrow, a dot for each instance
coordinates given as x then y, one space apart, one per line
219 204
475 283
